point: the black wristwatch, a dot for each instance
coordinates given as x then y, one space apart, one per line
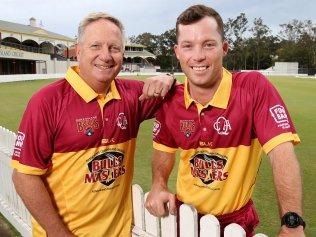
292 220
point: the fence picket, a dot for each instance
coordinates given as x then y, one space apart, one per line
209 226
234 230
151 222
169 226
188 221
138 207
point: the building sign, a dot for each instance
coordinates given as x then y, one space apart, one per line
10 54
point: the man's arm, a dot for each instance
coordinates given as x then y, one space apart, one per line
288 184
37 200
159 196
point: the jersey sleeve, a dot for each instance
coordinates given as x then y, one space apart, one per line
163 140
34 144
272 122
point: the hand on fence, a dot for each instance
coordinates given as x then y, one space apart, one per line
157 202
291 232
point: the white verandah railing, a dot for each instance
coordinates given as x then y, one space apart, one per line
146 225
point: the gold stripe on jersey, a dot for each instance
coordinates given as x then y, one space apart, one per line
161 147
67 181
208 198
284 137
220 98
27 169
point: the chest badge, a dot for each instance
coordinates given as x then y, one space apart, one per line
121 121
222 126
187 127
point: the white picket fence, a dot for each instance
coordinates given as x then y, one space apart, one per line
145 225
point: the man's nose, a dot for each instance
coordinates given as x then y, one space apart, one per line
105 54
198 54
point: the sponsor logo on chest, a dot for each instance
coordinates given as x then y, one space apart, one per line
208 167
105 167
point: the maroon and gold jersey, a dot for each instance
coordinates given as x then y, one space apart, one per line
221 142
83 145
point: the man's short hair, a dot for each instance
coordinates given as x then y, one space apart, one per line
197 12
92 17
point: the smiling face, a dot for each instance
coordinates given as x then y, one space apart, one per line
200 51
100 54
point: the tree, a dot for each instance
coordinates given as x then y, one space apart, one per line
260 33
234 30
298 43
147 39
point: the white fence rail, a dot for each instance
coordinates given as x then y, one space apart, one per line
145 224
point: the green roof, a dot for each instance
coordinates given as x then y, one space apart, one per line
30 30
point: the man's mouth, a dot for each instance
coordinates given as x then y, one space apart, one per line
199 68
103 67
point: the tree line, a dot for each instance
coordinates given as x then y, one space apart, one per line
252 45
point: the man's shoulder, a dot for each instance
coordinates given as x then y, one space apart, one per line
175 96
52 91
249 78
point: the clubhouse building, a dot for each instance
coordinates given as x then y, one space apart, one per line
30 49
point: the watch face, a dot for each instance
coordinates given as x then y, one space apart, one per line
292 220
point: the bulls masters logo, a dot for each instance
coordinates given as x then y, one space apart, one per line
105 167
208 167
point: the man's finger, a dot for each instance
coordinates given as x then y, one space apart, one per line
172 204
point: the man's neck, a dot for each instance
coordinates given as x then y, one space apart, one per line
203 95
98 87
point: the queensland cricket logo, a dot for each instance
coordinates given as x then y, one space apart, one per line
105 167
222 126
208 167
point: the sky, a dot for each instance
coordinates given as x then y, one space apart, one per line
154 16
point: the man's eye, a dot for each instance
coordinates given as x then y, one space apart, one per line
209 45
115 49
186 46
95 46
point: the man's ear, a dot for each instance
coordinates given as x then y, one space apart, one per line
176 50
78 50
225 47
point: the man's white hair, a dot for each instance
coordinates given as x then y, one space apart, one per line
95 16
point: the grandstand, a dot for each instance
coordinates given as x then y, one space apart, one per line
30 49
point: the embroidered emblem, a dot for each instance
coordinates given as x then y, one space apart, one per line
121 121
187 127
87 125
222 126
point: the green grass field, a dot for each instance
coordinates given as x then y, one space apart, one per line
300 97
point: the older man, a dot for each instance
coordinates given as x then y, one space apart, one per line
74 155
